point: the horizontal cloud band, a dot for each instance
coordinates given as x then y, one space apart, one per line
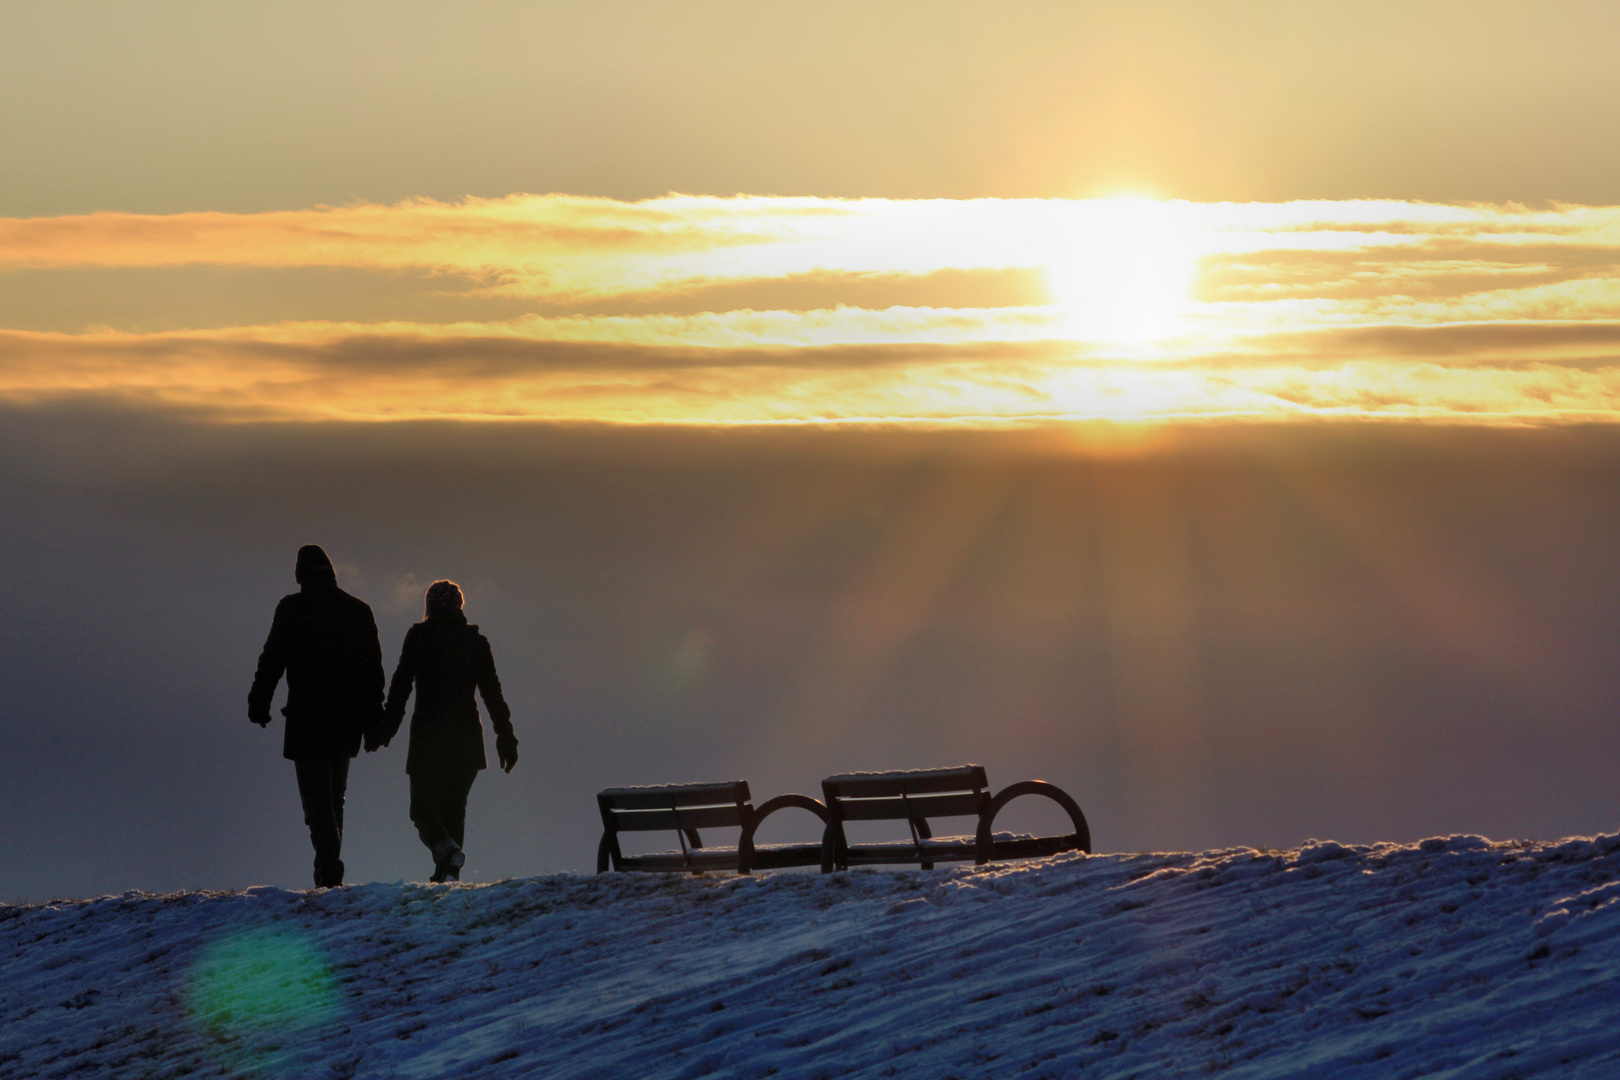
569 247
1477 374
1158 310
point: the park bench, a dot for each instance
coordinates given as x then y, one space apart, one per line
915 796
686 808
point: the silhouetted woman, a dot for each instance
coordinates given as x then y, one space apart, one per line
446 658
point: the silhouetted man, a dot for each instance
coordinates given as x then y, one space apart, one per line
326 642
447 659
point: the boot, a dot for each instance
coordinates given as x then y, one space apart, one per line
448 859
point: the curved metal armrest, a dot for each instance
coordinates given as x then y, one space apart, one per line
985 847
745 843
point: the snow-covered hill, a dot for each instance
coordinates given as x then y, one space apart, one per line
1452 958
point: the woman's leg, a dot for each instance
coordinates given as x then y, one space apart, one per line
425 785
457 786
428 791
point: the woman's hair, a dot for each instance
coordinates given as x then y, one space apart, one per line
443 596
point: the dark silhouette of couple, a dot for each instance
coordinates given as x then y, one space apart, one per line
325 641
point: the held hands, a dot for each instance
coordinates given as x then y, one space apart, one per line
506 751
374 733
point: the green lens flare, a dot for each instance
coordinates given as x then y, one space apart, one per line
261 993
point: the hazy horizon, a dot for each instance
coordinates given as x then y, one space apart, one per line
1248 636
1211 410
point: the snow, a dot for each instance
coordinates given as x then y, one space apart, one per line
1456 958
946 771
636 789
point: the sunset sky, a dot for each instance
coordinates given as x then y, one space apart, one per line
1209 407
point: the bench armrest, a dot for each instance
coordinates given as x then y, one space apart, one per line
745 843
986 847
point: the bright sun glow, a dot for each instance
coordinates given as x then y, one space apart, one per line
755 310
1123 270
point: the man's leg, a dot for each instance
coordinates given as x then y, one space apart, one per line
322 783
340 790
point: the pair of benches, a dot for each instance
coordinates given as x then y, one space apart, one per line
914 796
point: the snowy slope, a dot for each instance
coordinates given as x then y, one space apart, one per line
1454 958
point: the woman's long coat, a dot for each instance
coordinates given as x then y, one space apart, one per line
447 659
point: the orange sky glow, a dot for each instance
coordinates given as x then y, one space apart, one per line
1211 408
642 312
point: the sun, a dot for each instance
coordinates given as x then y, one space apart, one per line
1122 268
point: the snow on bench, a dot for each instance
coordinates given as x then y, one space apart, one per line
686 808
914 796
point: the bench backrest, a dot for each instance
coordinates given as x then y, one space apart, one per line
684 808
912 795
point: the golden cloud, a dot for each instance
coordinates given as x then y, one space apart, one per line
1163 310
699 370
574 247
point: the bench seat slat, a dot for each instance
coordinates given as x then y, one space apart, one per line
1033 847
881 785
782 856
653 798
931 793
862 855
954 805
1007 845
698 817
686 808
701 859
766 857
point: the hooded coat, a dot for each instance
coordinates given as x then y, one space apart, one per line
326 642
447 659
